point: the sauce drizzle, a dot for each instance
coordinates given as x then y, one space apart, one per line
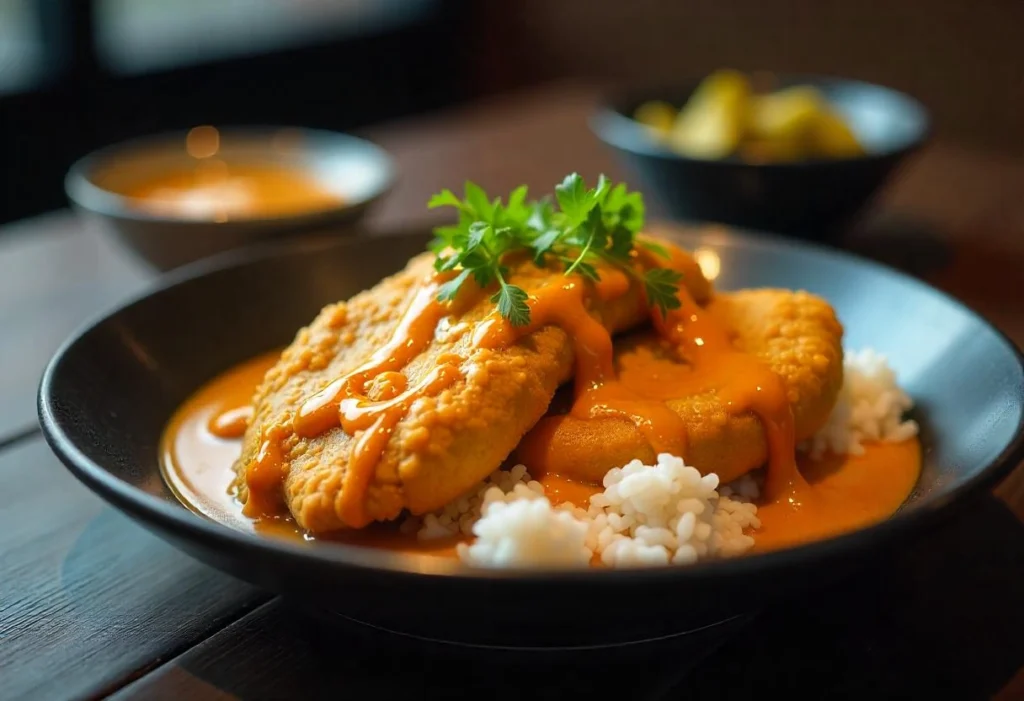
322 411
742 381
598 393
345 403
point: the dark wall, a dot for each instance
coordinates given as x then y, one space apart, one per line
962 58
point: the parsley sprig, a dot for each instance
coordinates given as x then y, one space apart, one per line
588 226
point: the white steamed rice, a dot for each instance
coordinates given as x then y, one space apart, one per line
646 515
655 514
870 408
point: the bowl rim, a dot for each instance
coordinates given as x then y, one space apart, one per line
608 122
176 518
84 193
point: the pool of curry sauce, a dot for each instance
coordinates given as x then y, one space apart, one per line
266 190
799 503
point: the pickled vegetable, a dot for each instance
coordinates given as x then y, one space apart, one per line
725 118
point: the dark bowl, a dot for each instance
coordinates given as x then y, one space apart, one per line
108 392
809 199
359 172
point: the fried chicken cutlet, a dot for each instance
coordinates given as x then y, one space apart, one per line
439 443
795 333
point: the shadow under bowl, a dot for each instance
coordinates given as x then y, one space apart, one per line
966 378
354 170
808 198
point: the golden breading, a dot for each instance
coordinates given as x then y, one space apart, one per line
445 444
795 333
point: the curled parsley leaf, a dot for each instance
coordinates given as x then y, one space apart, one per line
661 286
486 231
589 226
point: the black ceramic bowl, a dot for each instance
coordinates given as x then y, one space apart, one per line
107 394
809 199
355 170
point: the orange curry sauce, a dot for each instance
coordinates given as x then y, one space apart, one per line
203 441
221 191
800 503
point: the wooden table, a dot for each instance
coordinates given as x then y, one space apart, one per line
92 605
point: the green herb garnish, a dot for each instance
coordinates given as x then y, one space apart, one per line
589 225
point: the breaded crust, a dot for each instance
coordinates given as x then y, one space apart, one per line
797 334
445 444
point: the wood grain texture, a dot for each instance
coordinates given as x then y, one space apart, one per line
535 137
878 635
55 274
88 599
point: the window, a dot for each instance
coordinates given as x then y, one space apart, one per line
137 36
78 74
21 46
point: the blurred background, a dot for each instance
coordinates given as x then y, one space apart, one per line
78 74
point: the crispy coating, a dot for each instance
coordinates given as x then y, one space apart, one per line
445 444
795 333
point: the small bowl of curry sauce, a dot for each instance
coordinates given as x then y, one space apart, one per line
176 198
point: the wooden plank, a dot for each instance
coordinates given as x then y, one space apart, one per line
939 620
536 137
88 599
54 275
